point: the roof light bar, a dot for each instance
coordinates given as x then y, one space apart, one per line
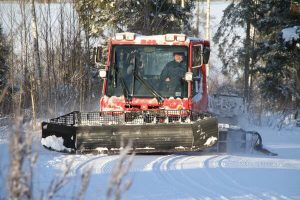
181 38
129 36
170 37
125 36
177 37
119 36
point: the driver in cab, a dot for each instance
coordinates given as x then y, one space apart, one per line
172 74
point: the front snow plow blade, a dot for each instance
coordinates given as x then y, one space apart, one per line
155 131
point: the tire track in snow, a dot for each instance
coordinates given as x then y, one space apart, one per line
196 185
160 170
214 164
173 173
98 164
231 161
63 162
157 168
138 164
153 167
256 162
79 163
235 183
81 167
164 166
105 163
223 178
150 166
166 169
141 161
262 163
274 195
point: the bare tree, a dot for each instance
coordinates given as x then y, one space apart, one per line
22 162
118 184
35 36
85 179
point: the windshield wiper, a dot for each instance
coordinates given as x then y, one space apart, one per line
146 85
149 87
125 89
133 77
114 71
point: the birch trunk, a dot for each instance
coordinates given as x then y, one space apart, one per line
37 63
247 62
35 37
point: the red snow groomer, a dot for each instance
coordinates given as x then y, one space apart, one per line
154 93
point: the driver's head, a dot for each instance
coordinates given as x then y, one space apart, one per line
178 56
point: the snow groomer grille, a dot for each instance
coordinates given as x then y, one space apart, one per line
68 119
128 117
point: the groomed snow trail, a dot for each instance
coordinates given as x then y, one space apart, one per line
181 176
196 175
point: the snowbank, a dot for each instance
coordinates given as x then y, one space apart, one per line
274 120
291 34
210 141
55 143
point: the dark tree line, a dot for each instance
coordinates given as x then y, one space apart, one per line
4 53
145 17
254 51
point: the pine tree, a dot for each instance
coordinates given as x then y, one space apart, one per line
3 60
234 46
5 96
279 70
145 17
274 63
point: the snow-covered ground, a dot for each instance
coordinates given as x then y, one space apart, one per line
177 176
181 176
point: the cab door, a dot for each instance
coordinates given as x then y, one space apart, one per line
199 91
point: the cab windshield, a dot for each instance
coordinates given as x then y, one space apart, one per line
136 71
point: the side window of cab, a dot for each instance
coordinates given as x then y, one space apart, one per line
196 65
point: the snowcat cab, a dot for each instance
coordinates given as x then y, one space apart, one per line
137 105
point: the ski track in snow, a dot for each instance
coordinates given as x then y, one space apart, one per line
189 175
215 162
173 172
142 163
226 181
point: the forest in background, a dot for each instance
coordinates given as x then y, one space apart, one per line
47 70
267 64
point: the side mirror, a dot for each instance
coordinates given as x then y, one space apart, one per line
98 55
206 54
